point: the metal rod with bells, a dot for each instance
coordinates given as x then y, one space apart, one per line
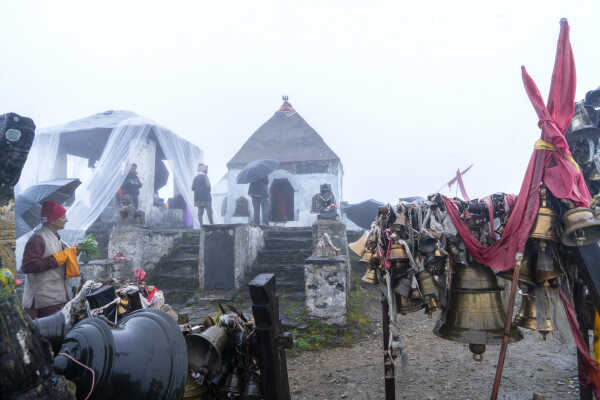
511 302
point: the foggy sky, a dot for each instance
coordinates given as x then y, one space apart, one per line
404 92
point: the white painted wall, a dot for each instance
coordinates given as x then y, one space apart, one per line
305 187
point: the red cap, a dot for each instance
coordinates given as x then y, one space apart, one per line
52 211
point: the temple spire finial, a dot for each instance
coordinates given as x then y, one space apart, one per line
285 97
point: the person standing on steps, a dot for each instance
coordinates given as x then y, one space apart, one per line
260 200
202 196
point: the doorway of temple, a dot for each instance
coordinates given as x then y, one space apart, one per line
282 201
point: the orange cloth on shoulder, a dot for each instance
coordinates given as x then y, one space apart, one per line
68 257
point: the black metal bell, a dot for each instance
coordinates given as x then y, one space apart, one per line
252 391
143 357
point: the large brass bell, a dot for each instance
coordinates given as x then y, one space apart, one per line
205 350
475 314
526 318
581 227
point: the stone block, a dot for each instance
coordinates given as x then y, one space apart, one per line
326 288
102 270
142 247
226 254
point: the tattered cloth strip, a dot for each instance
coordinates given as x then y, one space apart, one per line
551 160
589 369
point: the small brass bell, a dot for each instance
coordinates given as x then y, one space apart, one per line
370 276
233 385
526 318
429 291
475 314
413 303
436 263
253 391
545 222
581 123
581 227
397 252
546 267
366 257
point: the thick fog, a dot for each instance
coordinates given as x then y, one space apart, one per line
404 92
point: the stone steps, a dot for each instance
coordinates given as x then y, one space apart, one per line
292 243
282 256
177 274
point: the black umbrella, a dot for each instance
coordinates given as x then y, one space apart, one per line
362 214
28 204
257 170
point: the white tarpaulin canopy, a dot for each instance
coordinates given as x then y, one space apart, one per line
110 141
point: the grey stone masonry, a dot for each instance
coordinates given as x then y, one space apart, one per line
326 285
141 246
103 270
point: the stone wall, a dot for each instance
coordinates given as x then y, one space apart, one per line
103 270
141 246
326 285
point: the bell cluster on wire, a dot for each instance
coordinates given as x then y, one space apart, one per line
413 251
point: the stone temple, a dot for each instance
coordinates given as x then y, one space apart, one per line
306 162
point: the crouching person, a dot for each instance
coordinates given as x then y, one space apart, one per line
44 263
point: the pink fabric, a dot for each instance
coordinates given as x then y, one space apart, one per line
559 174
461 185
140 275
589 369
563 179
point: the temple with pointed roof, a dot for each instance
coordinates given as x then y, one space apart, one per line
306 162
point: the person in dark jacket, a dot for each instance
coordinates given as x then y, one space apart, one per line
132 185
258 191
202 197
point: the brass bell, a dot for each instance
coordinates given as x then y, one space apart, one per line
370 276
429 291
397 252
581 123
252 391
205 350
193 390
359 247
546 267
526 318
413 303
581 227
366 257
545 222
475 314
436 262
233 385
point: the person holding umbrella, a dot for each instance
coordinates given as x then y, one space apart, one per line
44 263
256 174
260 200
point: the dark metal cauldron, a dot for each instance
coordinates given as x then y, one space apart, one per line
144 357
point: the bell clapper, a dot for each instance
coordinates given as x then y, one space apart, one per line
477 350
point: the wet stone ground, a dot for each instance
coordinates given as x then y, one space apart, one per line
348 363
